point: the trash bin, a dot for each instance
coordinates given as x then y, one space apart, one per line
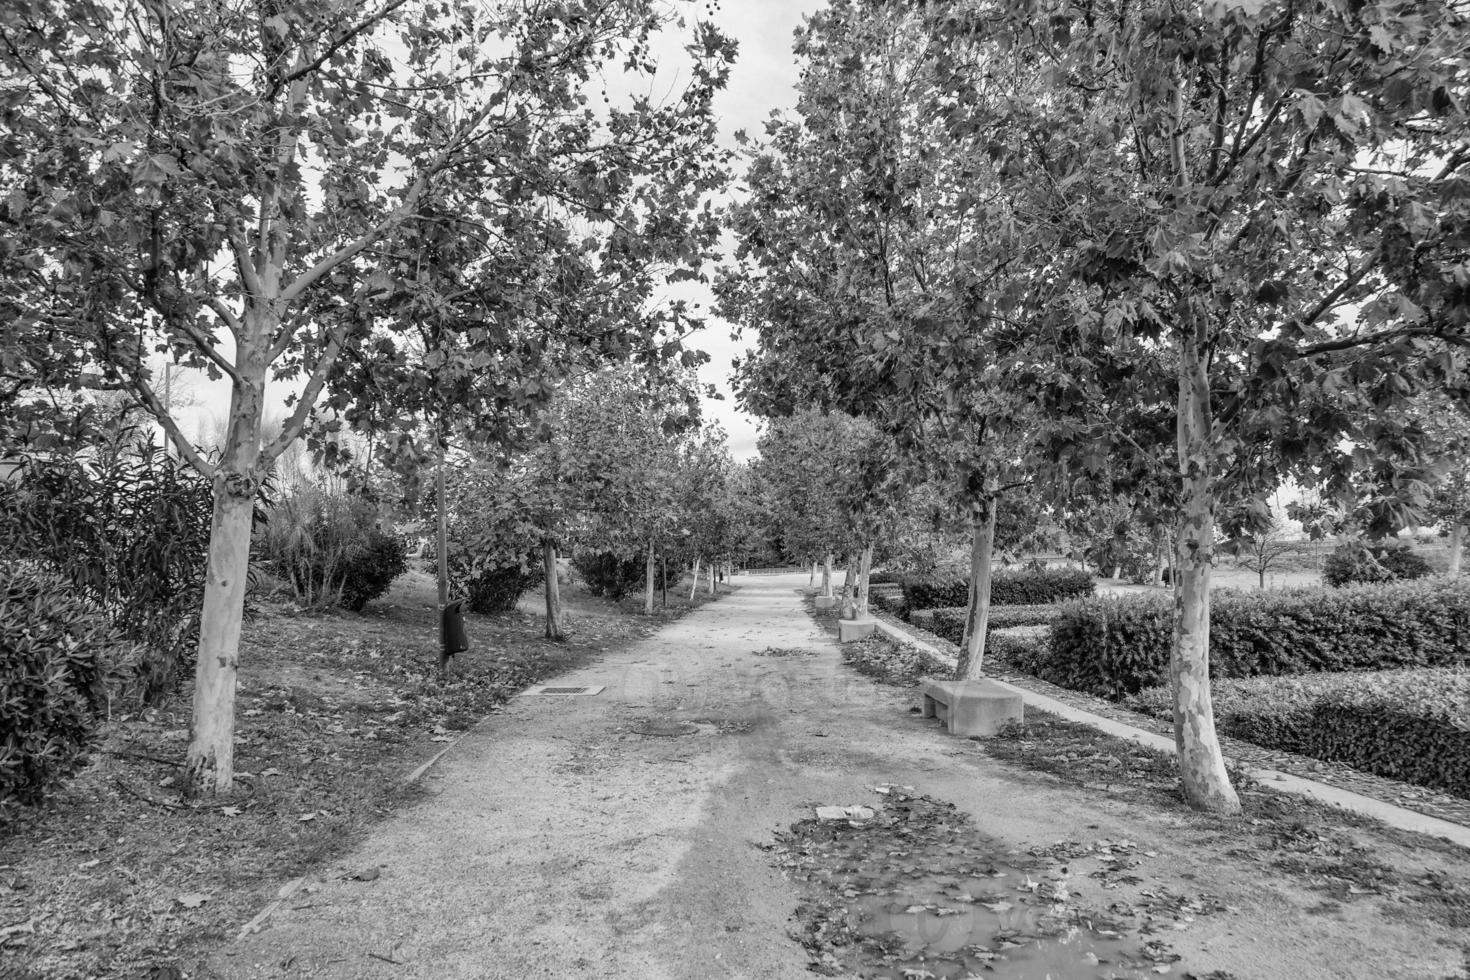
452 637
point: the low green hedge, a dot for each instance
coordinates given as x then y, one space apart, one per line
1027 587
950 622
1412 725
1119 645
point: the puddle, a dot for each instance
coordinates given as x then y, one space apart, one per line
917 893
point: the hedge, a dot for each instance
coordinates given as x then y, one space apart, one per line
1119 645
1027 587
1412 725
950 622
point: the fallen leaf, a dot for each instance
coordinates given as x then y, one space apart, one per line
306 816
89 864
192 900
230 811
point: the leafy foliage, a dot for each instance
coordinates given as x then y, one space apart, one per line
1354 563
950 622
130 531
58 653
496 590
1120 645
1027 587
328 546
1412 725
608 575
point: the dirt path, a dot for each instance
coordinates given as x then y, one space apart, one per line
558 842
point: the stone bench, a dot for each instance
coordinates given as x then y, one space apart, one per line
854 629
825 602
971 707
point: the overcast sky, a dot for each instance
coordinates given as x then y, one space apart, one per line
762 79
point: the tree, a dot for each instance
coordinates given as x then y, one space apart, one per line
210 182
622 431
1217 184
870 286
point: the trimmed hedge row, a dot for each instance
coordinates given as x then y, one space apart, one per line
1120 645
1412 725
1028 587
950 622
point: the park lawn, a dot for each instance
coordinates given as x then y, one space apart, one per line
116 876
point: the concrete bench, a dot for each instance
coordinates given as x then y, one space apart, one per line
854 629
825 602
971 707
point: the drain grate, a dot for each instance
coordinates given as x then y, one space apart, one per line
566 692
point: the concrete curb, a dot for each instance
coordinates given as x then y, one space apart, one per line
1394 816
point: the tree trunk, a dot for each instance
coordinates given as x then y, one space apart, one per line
648 590
1457 547
1201 766
443 558
1261 577
827 576
813 579
695 584
864 569
553 591
1161 550
209 764
711 567
663 571
977 617
1117 572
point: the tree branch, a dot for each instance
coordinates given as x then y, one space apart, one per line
293 425
171 428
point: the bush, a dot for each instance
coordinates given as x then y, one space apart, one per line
1026 587
950 623
1353 564
496 590
1412 725
58 653
328 547
1119 645
370 568
130 531
614 577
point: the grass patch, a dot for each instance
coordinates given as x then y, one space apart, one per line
115 875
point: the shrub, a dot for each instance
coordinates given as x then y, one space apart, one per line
496 590
58 653
1412 725
950 623
1025 587
329 548
1353 564
1119 645
614 577
370 567
130 531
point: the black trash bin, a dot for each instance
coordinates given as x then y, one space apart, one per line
452 636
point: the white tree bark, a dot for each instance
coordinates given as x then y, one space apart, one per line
694 586
1457 547
827 576
1201 765
648 581
977 616
865 567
